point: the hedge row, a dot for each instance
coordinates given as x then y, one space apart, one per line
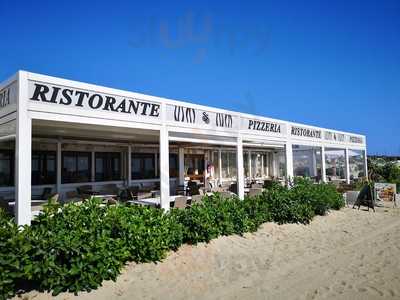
75 247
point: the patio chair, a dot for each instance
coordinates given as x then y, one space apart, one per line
180 202
5 206
54 198
255 192
45 194
233 188
72 196
193 188
180 190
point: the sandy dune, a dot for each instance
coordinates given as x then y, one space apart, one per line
348 254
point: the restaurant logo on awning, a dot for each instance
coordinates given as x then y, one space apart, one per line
306 132
90 100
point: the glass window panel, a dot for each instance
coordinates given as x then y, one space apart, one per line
335 164
307 162
143 166
76 167
357 164
43 167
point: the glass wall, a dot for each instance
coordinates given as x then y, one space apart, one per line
335 164
228 162
357 164
143 166
108 166
44 167
281 164
76 166
307 162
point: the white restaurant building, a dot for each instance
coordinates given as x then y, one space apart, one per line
60 134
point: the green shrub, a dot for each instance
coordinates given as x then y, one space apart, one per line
75 247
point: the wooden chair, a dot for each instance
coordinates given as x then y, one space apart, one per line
45 194
180 202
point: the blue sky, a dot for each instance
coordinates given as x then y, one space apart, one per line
334 64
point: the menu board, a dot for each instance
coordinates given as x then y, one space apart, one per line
385 191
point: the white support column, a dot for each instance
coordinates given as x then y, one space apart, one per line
129 165
93 170
314 162
273 166
289 161
156 164
220 165
262 165
366 164
240 170
323 164
59 166
249 162
23 155
347 166
181 158
164 168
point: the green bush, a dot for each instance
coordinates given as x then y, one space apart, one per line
75 247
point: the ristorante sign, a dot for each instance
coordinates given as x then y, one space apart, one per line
306 132
77 98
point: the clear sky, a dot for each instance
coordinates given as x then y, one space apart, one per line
334 64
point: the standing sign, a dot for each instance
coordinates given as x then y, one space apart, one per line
385 191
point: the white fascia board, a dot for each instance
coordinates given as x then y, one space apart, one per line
165 101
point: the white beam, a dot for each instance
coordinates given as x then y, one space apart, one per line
240 170
23 155
164 168
181 158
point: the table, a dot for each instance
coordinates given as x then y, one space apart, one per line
153 201
33 202
105 196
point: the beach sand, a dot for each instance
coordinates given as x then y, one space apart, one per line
348 254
